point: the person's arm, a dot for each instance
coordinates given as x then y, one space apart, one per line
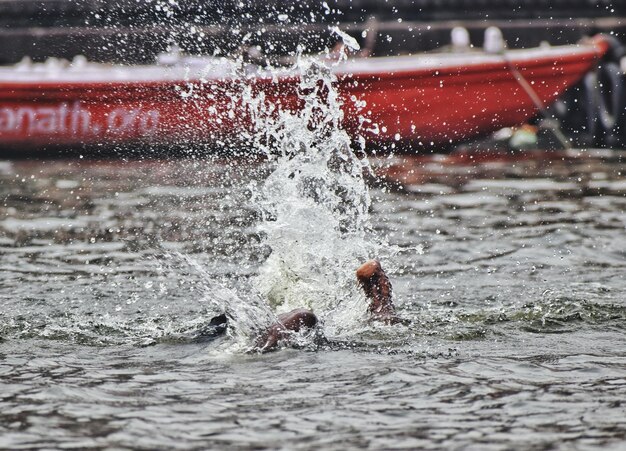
286 324
377 287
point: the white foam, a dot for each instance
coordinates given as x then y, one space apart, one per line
315 204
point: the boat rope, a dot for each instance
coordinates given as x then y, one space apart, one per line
521 80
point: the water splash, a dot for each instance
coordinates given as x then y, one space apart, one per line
315 206
314 209
348 40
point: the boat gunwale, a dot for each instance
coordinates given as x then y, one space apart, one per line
477 63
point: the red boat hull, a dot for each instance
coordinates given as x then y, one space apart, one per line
429 103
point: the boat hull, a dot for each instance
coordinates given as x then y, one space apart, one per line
434 100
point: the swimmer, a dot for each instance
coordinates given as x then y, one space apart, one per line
287 323
374 282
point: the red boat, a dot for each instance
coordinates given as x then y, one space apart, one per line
431 98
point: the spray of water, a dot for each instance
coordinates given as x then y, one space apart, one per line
314 205
248 314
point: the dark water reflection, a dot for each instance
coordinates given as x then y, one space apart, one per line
518 302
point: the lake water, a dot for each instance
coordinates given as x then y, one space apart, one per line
511 268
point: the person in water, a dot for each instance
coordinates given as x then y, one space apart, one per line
372 279
377 287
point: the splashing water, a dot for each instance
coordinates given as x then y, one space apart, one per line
248 315
314 213
315 207
348 40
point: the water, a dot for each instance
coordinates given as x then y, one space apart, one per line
517 304
510 268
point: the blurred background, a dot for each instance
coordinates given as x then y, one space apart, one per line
132 31
136 31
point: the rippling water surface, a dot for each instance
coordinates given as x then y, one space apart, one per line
511 268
